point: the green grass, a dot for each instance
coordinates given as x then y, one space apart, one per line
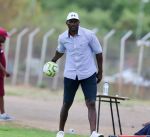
12 130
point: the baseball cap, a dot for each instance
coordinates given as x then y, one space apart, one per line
3 32
72 15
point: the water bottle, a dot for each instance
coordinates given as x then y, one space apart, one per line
105 88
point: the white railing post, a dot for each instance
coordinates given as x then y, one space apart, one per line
122 50
140 60
17 54
43 54
105 43
29 55
95 30
140 17
7 44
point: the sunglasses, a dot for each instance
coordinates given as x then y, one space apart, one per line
73 21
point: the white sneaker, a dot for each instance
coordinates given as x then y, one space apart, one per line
60 134
5 117
95 134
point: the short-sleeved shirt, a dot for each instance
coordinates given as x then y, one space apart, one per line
80 50
2 60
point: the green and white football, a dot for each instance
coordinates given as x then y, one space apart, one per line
50 69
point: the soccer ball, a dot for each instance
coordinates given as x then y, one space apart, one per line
50 69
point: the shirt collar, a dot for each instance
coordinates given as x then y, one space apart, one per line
79 33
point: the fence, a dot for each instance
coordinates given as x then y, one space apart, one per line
27 50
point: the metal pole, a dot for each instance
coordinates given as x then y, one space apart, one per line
17 53
95 30
7 44
105 43
44 46
29 55
112 117
140 60
140 18
98 115
122 50
116 102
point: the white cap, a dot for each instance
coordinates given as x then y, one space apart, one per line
72 15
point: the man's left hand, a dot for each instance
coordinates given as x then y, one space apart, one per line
99 76
7 74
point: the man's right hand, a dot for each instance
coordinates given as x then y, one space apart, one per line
57 56
53 60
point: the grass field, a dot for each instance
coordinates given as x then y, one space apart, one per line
13 130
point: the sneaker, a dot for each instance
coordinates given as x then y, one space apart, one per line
95 134
5 117
60 134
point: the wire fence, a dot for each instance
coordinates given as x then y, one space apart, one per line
125 61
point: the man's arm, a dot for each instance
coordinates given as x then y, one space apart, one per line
99 58
4 70
57 56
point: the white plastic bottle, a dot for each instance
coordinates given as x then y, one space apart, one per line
105 88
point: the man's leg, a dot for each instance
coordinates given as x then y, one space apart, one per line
70 88
3 115
2 110
63 115
89 87
91 114
2 105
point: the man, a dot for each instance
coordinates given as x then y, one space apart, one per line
145 130
3 73
79 44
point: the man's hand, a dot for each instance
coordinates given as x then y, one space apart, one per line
7 74
99 59
53 60
57 56
99 76
147 123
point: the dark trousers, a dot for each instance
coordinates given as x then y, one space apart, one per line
144 131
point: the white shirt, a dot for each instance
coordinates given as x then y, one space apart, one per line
79 53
